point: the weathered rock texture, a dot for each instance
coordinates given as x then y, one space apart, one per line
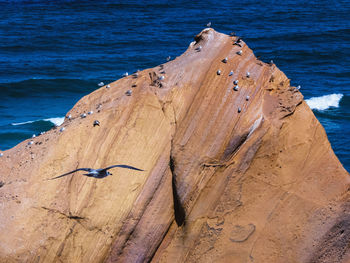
262 185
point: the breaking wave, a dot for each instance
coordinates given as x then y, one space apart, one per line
324 102
55 121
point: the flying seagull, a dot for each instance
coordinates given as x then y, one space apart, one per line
98 173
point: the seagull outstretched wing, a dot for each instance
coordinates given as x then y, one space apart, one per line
79 169
122 166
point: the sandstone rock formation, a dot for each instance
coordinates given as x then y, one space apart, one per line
229 178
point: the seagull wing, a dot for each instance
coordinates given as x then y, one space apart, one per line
122 166
79 169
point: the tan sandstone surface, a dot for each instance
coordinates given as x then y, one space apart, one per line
259 185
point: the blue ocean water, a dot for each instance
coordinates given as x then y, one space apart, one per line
54 52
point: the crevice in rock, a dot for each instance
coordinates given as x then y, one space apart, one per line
234 145
69 216
179 211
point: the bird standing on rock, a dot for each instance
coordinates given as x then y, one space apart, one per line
98 173
198 49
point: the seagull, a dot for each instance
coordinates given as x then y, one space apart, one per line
198 49
1 154
209 24
125 74
231 73
62 129
239 52
224 60
218 72
96 123
235 82
101 84
69 117
168 58
128 92
98 173
90 112
238 41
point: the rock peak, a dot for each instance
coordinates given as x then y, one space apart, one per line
237 168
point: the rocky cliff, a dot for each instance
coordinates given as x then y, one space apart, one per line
233 172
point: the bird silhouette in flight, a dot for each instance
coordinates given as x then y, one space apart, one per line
98 173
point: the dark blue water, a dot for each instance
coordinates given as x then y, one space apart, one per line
54 52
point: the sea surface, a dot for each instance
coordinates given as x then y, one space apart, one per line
54 52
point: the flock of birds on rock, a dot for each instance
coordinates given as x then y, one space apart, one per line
100 173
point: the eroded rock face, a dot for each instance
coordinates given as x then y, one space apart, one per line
232 175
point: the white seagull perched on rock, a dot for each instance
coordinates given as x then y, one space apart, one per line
98 173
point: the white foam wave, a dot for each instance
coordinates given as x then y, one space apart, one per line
21 123
324 102
56 121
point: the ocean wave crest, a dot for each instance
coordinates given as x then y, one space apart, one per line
324 102
57 121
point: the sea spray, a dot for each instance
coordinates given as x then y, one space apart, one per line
324 102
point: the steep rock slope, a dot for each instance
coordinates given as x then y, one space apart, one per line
230 176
